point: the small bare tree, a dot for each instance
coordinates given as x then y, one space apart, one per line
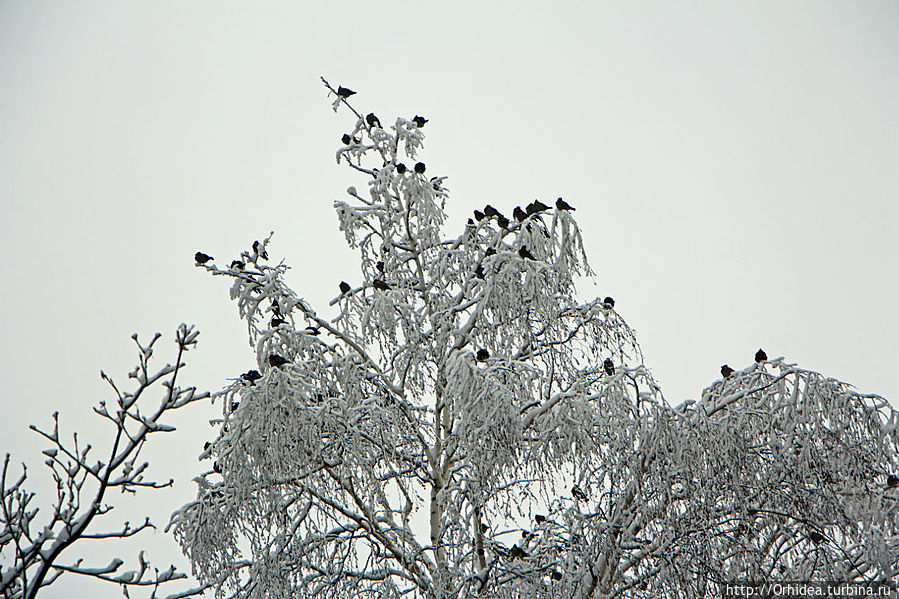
36 546
464 426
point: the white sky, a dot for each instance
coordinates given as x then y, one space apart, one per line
734 167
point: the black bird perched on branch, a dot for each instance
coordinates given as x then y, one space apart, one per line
202 258
892 480
401 168
420 168
372 120
489 252
344 92
578 494
556 575
251 376
517 552
380 285
539 518
276 322
490 211
525 253
563 205
502 221
263 254
310 330
726 371
483 355
344 287
419 121
277 361
519 214
237 265
536 207
761 356
479 272
608 366
479 216
608 302
816 537
484 527
346 139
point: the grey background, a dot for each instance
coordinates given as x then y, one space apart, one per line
733 165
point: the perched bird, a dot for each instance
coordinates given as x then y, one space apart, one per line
470 223
490 210
372 120
420 168
761 356
419 121
277 361
502 221
525 253
539 518
276 322
276 308
484 527
578 494
251 376
479 272
263 254
892 480
517 552
556 575
726 371
310 330
380 266
608 302
344 92
235 405
216 468
536 207
816 537
206 446
380 285
563 205
346 139
608 366
483 355
344 287
489 252
519 214
202 258
401 168
237 265
479 216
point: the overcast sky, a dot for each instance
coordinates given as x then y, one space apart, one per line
733 165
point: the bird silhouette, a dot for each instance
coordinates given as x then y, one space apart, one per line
206 446
251 376
276 322
502 221
726 371
276 308
490 210
483 355
608 302
489 252
539 518
536 207
380 285
237 265
479 216
816 537
202 258
235 405
420 168
310 330
263 254
761 356
419 121
578 494
344 92
346 139
479 272
525 253
519 214
372 120
484 527
556 575
608 366
277 361
517 552
380 265
563 205
344 287
401 168
893 480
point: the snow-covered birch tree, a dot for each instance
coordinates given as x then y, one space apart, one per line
459 424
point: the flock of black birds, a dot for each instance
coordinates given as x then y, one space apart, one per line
760 356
